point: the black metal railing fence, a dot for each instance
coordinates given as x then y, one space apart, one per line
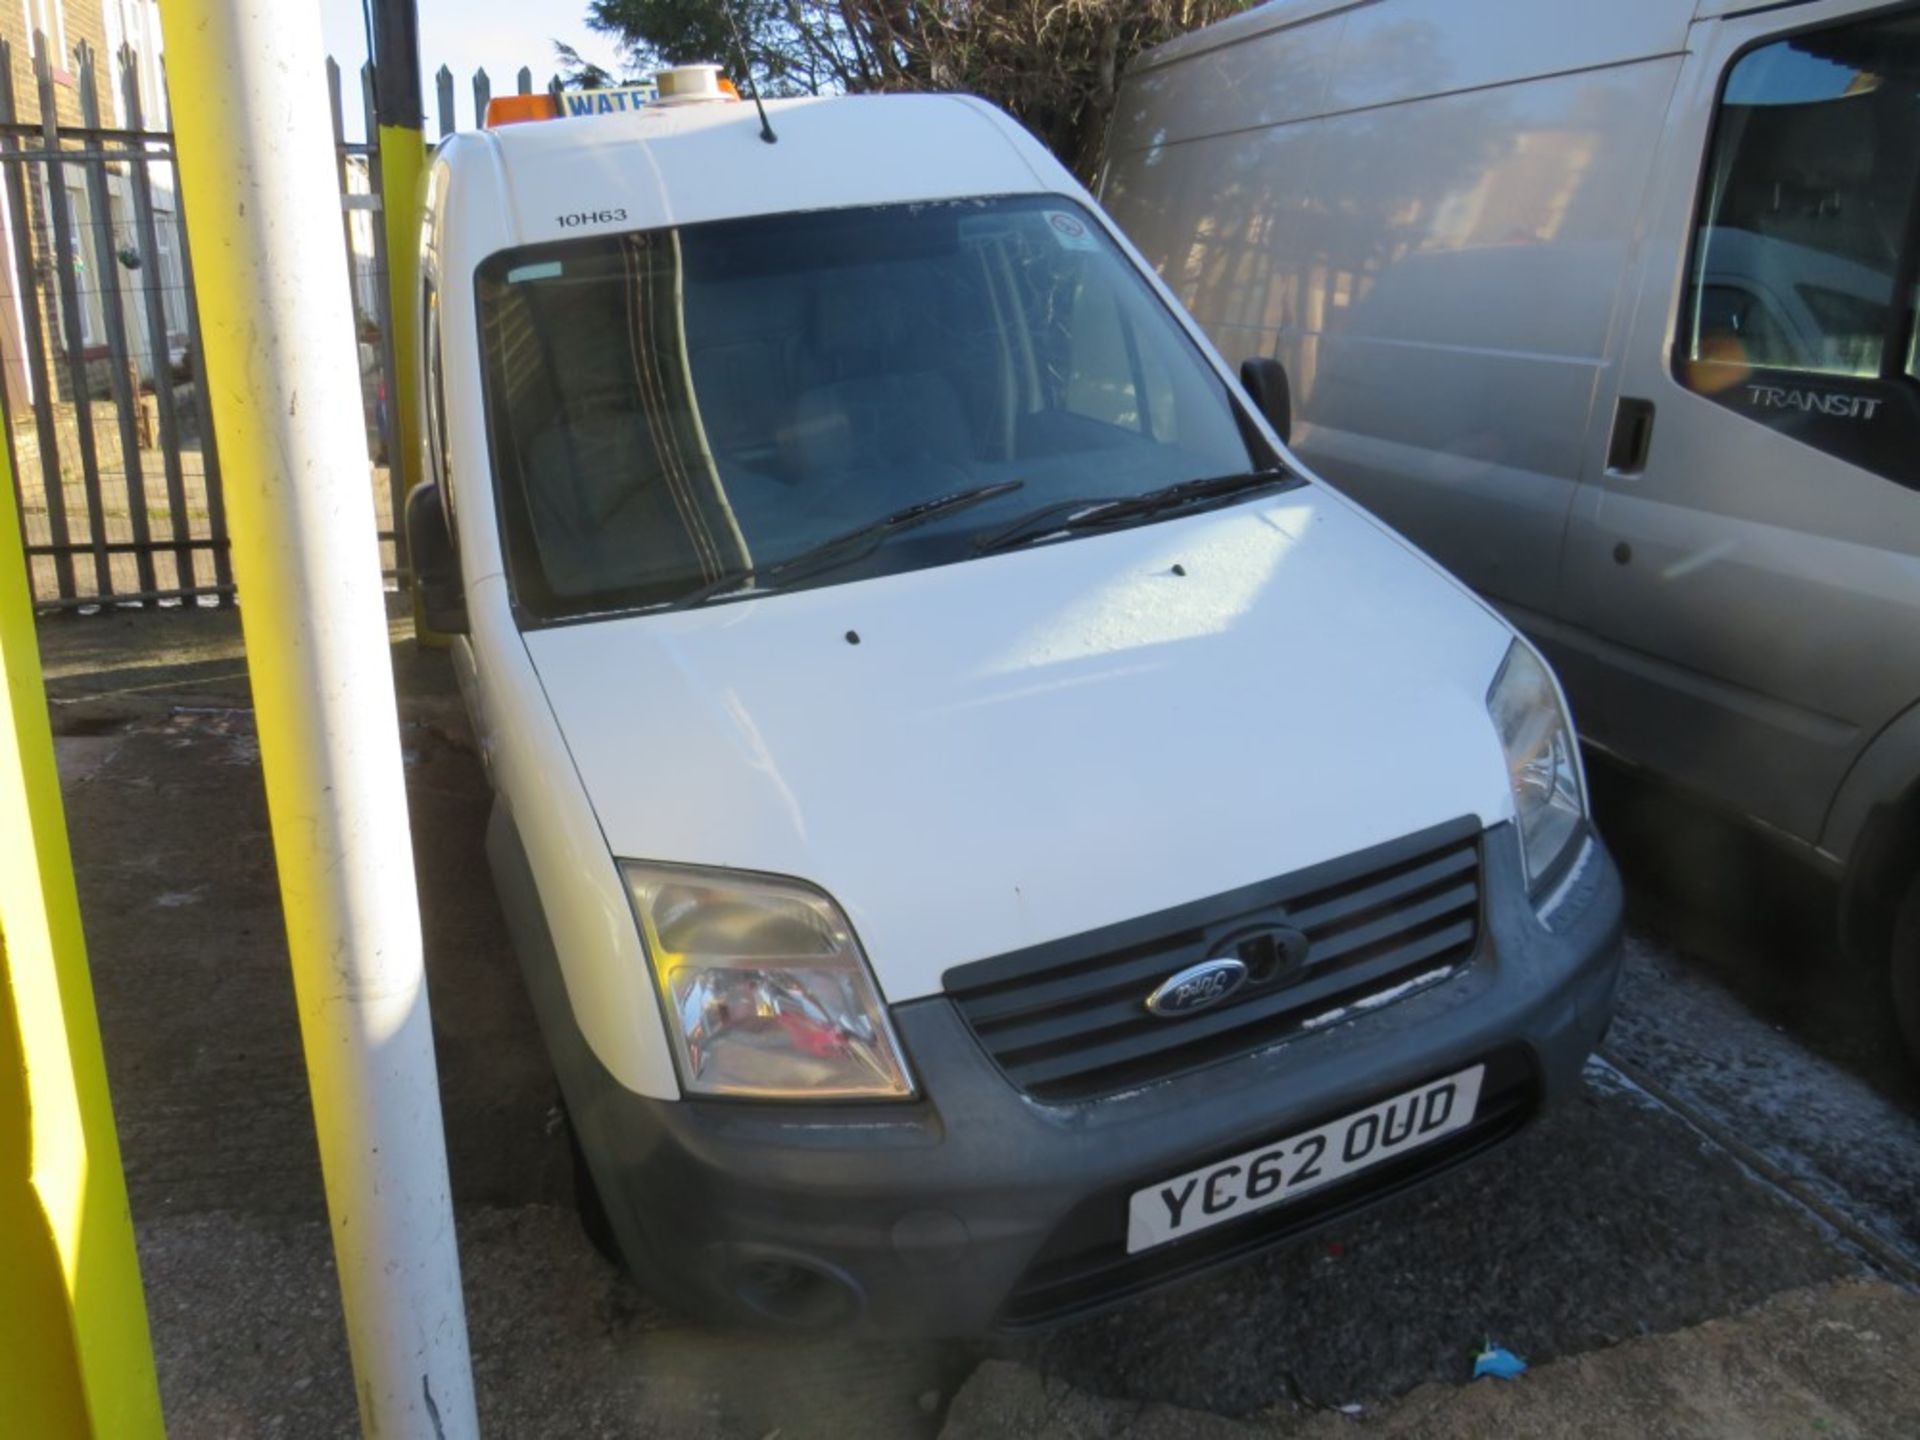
115 471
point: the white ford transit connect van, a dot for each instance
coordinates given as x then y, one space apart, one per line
986 831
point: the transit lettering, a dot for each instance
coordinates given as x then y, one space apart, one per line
1813 402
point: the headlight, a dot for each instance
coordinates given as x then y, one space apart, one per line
766 991
1543 765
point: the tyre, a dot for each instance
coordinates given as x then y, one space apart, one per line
1906 969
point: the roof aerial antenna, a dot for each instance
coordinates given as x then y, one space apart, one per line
746 76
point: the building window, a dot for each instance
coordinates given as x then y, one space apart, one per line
136 24
108 78
88 276
173 280
49 18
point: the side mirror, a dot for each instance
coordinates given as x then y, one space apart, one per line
1265 381
436 567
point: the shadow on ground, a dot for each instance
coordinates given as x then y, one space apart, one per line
1757 921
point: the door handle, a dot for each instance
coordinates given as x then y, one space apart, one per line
1632 436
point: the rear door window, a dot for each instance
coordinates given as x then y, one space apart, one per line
1799 308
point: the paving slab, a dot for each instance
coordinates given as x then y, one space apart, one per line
248 1337
1836 1139
1839 1361
1609 1218
174 860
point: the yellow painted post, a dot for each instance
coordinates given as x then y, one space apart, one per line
257 168
403 161
75 1358
401 122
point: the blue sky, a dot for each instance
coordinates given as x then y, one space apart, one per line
464 35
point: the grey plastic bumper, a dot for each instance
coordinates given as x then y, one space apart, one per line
977 1208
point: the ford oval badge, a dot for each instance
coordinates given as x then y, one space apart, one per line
1197 987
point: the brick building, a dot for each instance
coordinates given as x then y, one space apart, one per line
105 247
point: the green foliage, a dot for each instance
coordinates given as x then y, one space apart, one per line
1055 64
577 72
783 39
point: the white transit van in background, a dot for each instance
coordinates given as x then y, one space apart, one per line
985 832
1609 307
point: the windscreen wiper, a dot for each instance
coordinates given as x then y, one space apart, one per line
1099 512
841 549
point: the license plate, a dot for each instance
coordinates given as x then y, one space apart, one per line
1287 1169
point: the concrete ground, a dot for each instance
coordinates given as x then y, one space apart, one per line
1748 1131
1834 1361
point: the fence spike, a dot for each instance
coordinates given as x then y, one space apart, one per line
218 541
130 262
121 362
525 79
39 358
389 437
167 402
67 266
345 168
125 59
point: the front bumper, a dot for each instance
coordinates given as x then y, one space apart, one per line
978 1208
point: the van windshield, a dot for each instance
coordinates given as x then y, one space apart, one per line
670 407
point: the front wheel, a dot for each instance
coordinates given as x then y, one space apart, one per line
1906 969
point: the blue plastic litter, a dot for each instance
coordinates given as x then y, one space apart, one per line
1498 1362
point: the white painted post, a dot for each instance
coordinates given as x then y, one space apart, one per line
253 134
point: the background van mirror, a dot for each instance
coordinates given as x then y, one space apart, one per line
1265 381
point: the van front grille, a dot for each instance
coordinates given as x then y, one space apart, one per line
1068 1020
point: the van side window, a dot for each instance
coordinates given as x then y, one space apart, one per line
1799 303
1728 309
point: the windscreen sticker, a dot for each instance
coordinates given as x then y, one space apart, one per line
1070 231
545 270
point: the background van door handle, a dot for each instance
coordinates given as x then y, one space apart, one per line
1632 436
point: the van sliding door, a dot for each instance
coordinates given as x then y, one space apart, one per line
1743 565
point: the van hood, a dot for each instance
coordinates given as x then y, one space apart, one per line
987 755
